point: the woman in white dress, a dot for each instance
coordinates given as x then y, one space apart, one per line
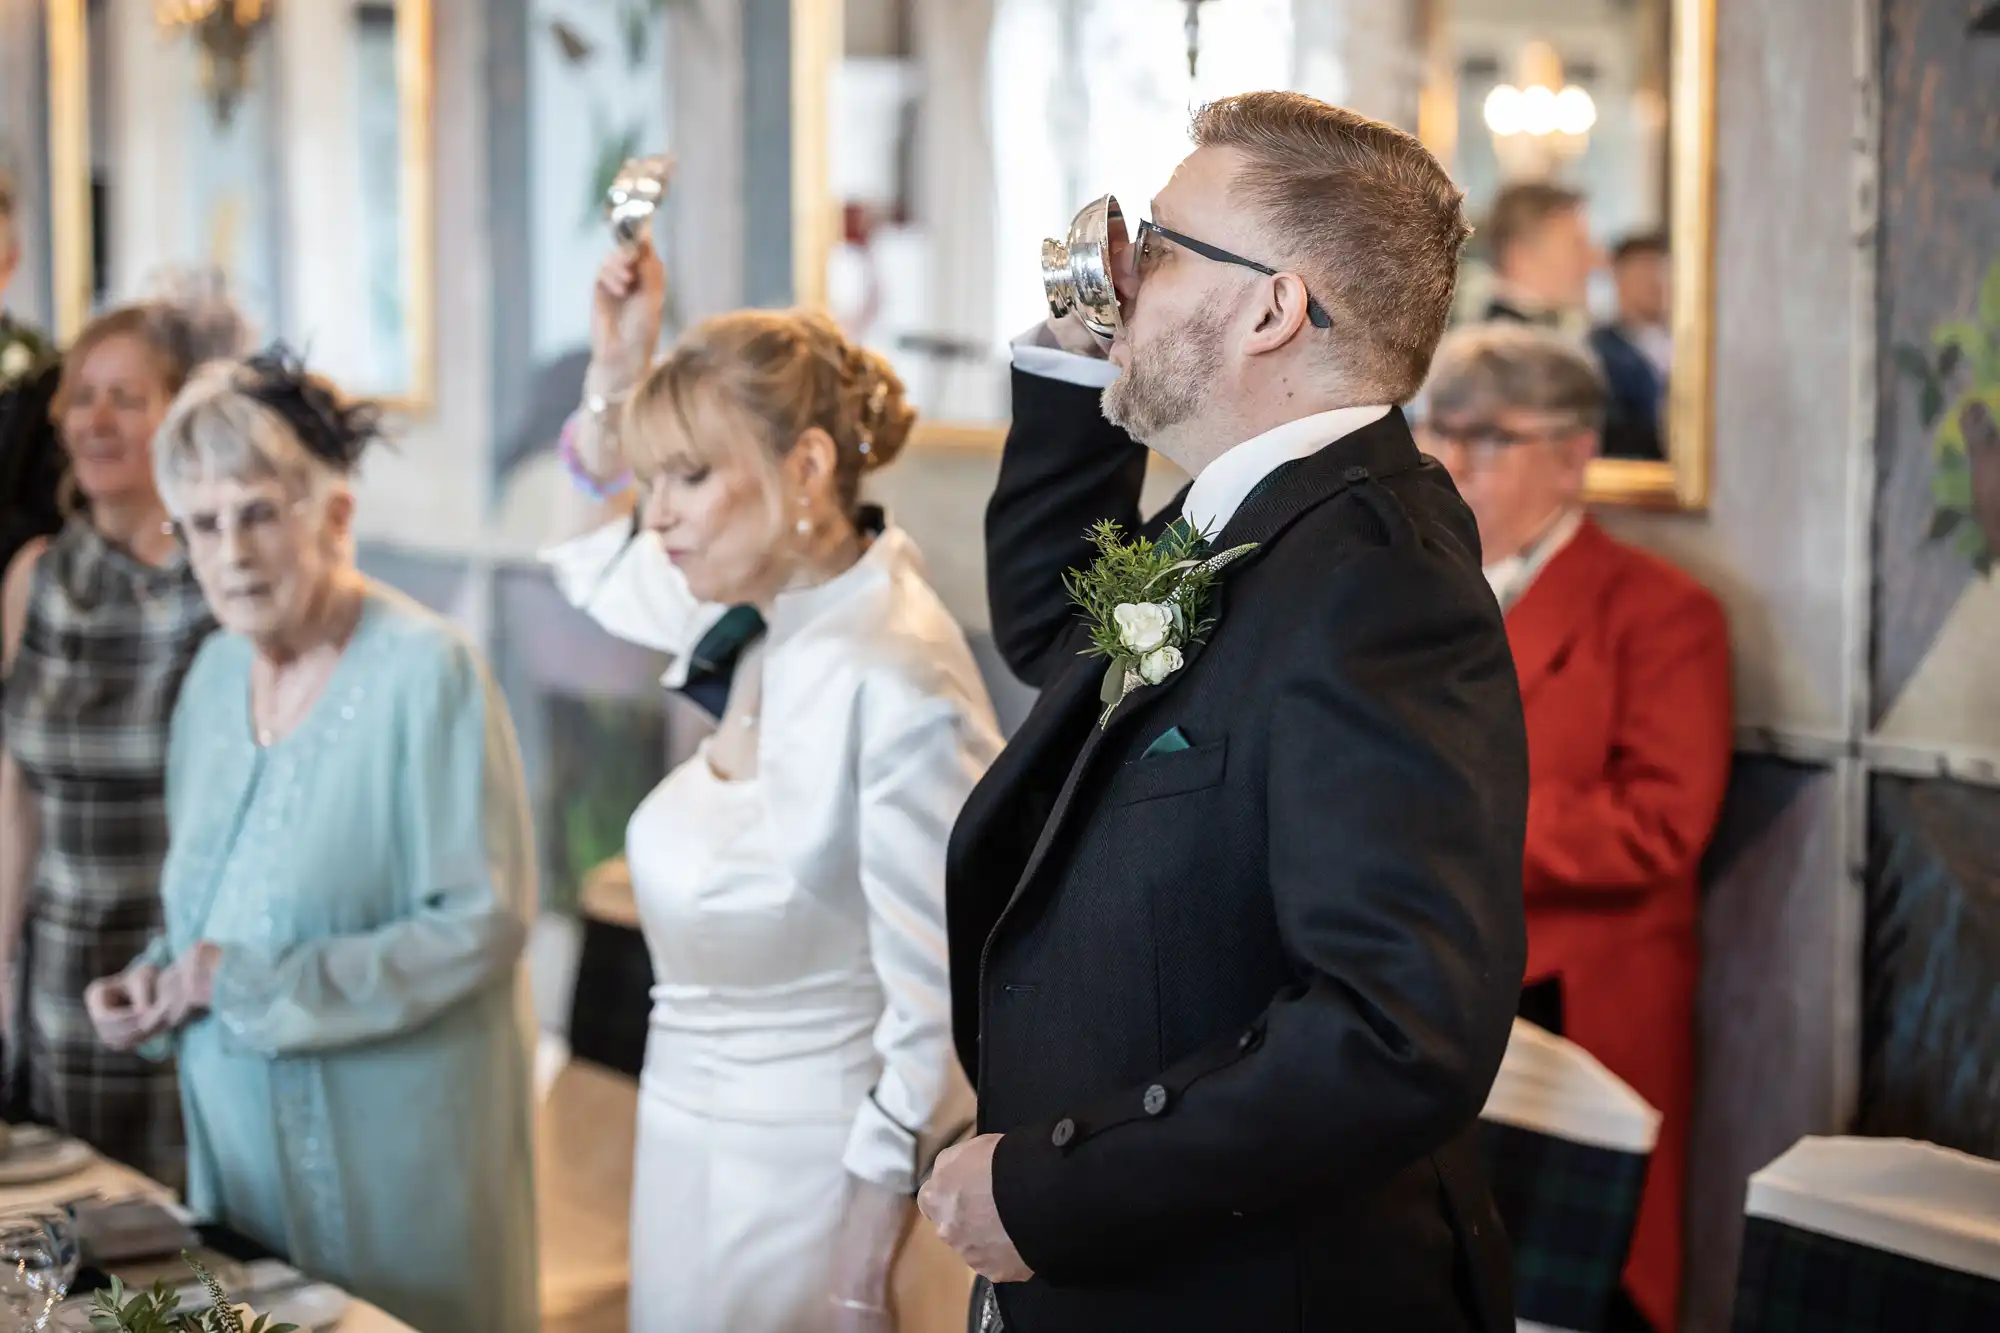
790 876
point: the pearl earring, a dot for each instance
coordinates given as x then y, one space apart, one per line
804 526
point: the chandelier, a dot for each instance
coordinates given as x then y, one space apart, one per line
1544 108
1541 123
224 31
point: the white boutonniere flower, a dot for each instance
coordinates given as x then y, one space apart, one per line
1157 665
1145 602
16 360
1143 626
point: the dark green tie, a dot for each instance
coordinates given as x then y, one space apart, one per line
1269 480
713 661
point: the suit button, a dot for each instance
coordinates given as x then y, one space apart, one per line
1355 475
1156 1100
1250 1041
1064 1132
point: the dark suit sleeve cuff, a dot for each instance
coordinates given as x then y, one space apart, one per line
1044 404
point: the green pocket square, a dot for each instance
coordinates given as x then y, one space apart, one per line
1168 742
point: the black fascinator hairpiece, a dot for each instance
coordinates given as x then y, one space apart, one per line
333 429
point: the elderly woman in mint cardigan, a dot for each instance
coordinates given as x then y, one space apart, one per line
347 887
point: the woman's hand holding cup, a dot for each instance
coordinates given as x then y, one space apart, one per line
628 303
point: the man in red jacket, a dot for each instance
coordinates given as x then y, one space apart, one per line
1624 669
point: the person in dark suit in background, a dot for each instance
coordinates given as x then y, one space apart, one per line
1624 670
1233 968
1542 254
31 463
1637 348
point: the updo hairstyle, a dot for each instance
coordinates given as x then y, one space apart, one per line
781 372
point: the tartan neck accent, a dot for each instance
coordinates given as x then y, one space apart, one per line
712 664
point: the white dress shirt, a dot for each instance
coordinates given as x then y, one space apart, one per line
1036 353
1220 488
1511 576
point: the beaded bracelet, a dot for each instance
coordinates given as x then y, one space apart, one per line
581 476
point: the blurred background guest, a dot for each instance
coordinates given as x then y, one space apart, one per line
790 875
30 452
1636 348
23 349
101 623
1538 242
1538 238
1625 679
347 889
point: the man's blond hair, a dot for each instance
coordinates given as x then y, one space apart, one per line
1364 214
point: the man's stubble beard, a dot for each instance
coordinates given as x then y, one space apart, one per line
1170 380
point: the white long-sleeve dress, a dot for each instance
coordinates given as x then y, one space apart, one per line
801 1016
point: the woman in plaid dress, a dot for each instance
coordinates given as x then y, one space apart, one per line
101 624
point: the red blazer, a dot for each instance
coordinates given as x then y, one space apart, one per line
1624 667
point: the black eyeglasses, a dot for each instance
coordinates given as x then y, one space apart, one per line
1314 311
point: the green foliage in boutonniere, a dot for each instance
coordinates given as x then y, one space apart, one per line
1146 602
159 1310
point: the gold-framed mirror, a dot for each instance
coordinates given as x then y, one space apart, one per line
935 142
287 146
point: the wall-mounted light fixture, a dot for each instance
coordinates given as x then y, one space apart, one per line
224 31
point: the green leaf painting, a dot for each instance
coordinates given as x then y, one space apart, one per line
637 26
1958 401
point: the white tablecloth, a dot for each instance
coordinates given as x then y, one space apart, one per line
114 1181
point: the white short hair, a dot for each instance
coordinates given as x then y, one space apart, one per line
217 431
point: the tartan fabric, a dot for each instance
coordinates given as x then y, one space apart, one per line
1569 1209
106 642
1790 1280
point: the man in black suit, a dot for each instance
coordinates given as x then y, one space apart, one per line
1636 348
1234 970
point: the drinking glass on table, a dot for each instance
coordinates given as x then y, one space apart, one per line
38 1261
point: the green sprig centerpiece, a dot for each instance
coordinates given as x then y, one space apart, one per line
1146 603
159 1310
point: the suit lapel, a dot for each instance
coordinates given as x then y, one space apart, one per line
1380 449
1558 605
1066 798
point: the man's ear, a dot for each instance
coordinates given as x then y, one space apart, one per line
1279 315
